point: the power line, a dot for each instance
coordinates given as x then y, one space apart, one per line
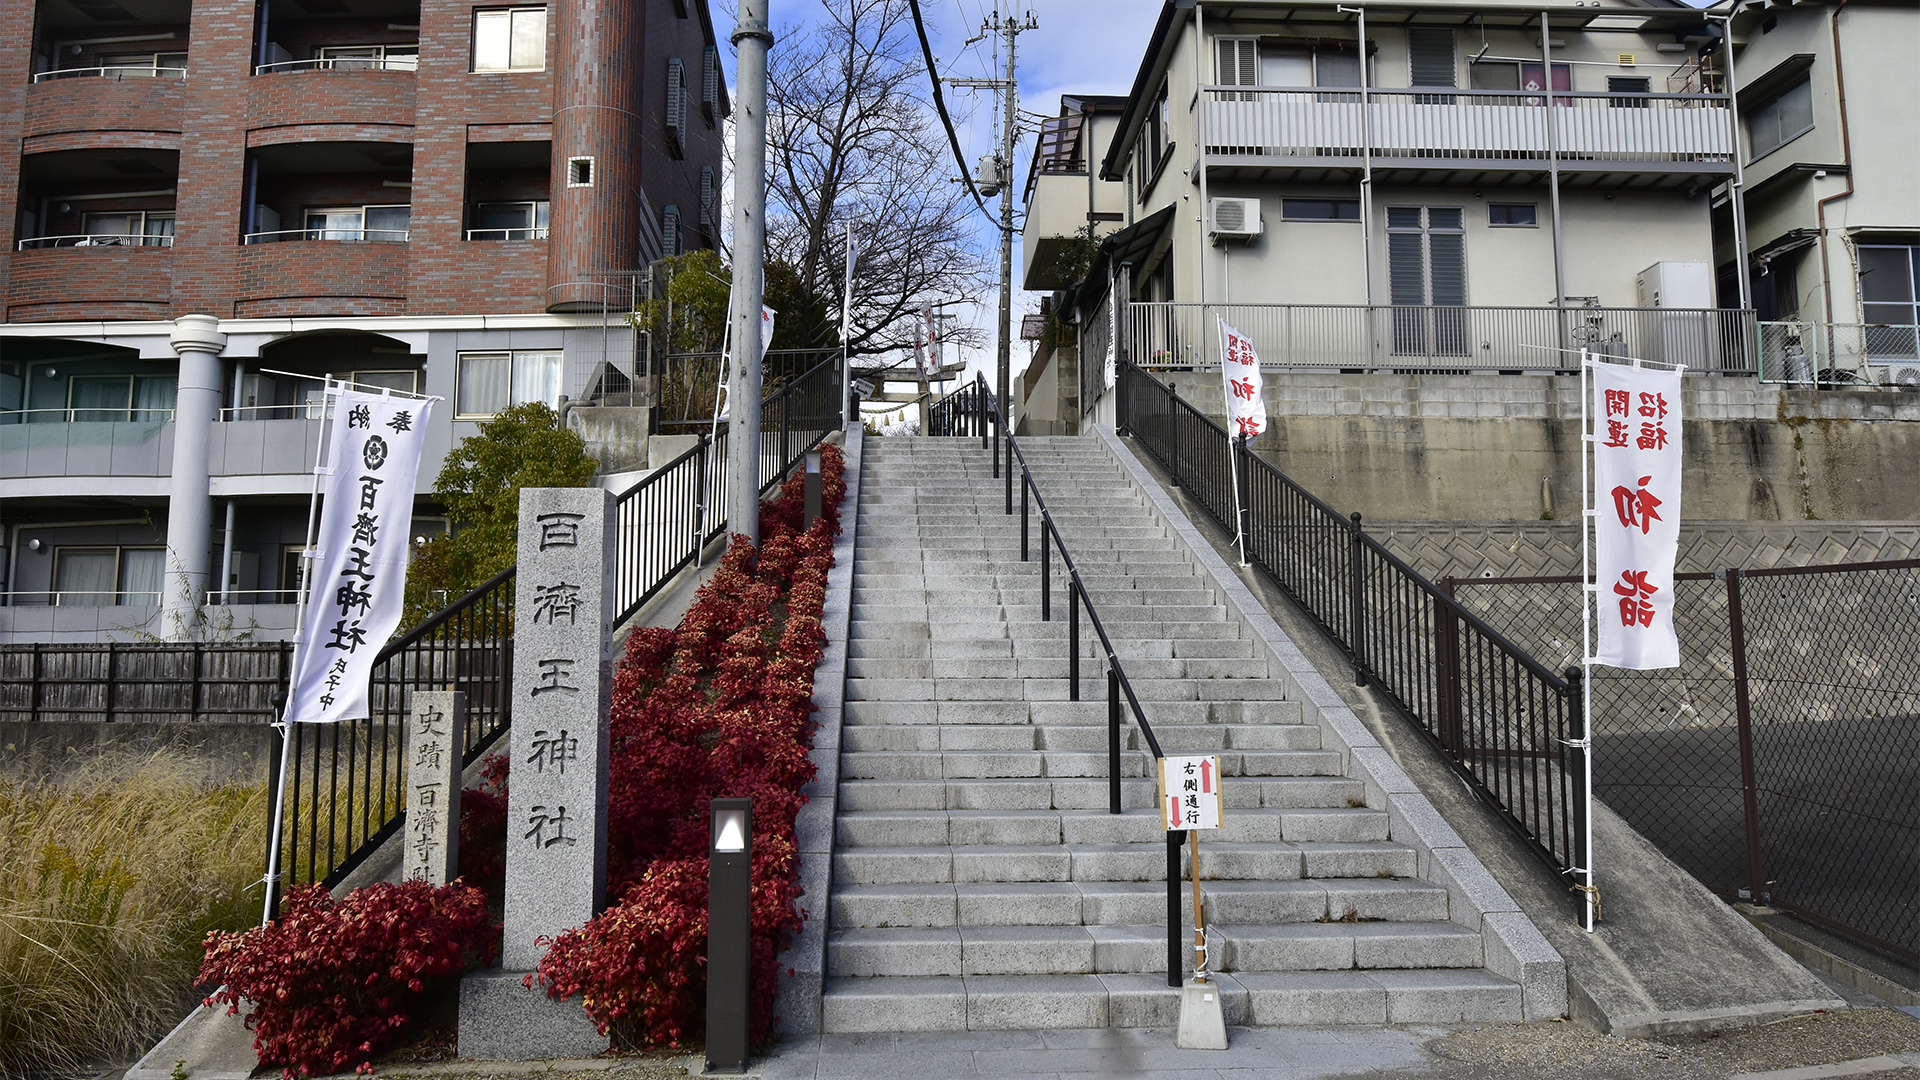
940 106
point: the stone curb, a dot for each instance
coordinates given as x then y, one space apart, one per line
1514 948
803 966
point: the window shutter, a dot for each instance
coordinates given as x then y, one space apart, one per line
1448 255
1406 276
706 194
1239 62
1431 55
670 230
710 82
676 106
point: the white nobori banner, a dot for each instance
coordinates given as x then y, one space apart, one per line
1636 513
1240 368
359 578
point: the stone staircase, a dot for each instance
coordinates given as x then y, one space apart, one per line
979 881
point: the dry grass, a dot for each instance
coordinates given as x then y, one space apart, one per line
108 882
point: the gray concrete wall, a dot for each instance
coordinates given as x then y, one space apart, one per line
1481 447
226 753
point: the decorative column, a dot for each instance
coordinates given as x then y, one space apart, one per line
197 340
594 227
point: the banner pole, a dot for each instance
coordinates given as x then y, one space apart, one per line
321 452
1589 599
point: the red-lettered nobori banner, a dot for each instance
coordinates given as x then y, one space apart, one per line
1636 521
359 580
1240 367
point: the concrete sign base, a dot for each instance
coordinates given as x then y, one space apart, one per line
1203 1024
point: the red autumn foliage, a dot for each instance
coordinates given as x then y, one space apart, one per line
483 829
719 708
332 984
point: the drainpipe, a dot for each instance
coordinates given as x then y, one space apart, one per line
1846 158
1366 178
226 558
1200 160
197 340
1553 175
1737 195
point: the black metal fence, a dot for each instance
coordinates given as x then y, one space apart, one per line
1778 760
960 413
1510 724
344 782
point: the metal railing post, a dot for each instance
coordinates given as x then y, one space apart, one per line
1046 583
1743 715
1073 640
1446 663
980 407
1356 585
1175 841
1009 466
1024 516
1113 739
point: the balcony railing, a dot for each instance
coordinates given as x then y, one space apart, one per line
508 234
387 236
80 598
80 240
87 415
343 63
112 71
1840 354
1269 122
1439 339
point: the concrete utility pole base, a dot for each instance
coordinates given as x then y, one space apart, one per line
1203 1024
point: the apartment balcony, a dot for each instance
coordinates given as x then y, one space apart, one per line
1355 338
128 453
91 276
104 99
1481 136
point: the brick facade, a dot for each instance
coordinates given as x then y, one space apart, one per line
235 139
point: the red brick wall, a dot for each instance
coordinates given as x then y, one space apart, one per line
94 104
284 98
90 283
320 277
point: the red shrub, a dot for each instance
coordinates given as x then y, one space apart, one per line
332 984
719 708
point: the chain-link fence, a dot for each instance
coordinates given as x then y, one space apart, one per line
1779 756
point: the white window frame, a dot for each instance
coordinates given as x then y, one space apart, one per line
308 229
510 15
1354 220
574 169
539 214
119 594
140 236
465 410
394 57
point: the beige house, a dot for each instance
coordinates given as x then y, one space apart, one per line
1479 187
1829 91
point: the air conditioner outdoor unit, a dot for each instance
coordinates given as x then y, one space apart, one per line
1233 219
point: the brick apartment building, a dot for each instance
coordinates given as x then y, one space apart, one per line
204 200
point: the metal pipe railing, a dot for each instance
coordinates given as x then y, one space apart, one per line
1118 686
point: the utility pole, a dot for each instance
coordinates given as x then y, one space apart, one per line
752 39
1011 27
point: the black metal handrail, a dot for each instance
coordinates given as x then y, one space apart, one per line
345 794
990 418
1512 726
955 414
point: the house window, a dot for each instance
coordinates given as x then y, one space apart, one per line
129 228
710 84
580 172
388 224
490 382
510 39
706 195
313 402
108 576
523 220
1510 75
1630 89
1320 209
670 229
1427 279
1889 291
147 65
108 398
1248 62
676 108
1151 146
1513 215
1781 118
369 57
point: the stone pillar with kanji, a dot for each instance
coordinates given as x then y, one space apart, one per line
436 741
556 858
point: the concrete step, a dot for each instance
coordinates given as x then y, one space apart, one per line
1019 763
1272 793
1004 862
